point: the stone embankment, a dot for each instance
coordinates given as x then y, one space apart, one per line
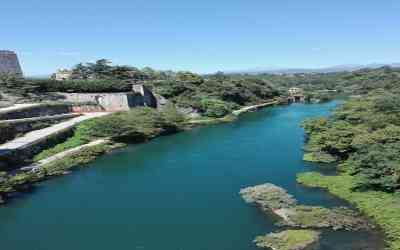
37 135
26 146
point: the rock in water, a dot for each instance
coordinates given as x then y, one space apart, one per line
9 63
289 240
268 196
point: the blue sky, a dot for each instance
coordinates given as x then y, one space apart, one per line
203 36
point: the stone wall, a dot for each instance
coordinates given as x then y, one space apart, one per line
147 97
140 96
12 159
29 124
9 63
35 111
107 101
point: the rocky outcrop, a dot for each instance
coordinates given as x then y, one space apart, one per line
268 196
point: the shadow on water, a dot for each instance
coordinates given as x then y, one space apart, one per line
179 192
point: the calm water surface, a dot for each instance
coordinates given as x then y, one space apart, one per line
176 193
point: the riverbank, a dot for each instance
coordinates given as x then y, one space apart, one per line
79 150
382 207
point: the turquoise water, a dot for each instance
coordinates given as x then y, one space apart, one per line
175 193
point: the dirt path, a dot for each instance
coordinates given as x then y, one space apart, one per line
41 134
41 163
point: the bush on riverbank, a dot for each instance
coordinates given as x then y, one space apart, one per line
364 133
132 126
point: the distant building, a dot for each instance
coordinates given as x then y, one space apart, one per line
62 75
295 91
296 95
9 63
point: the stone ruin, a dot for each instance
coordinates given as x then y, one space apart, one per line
9 63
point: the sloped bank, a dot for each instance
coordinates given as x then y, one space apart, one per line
135 126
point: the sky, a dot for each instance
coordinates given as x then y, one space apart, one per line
203 36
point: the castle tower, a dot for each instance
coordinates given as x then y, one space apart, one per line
9 63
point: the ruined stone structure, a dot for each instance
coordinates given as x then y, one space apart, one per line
296 95
9 63
62 75
140 96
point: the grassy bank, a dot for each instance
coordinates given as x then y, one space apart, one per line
23 181
382 207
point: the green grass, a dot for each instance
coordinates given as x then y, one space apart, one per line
288 240
72 142
382 207
309 157
11 183
319 157
81 158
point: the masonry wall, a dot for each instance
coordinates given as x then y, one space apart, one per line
140 96
107 101
40 110
9 63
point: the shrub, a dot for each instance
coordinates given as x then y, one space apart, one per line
215 107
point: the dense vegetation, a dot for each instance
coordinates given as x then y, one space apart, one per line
364 134
215 96
357 82
363 138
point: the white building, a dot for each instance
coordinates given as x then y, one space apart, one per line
62 75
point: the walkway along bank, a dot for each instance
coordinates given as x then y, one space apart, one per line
77 106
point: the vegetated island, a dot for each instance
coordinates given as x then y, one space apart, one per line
305 220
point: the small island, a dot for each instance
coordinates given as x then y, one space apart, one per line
289 240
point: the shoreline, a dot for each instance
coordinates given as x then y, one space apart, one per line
63 162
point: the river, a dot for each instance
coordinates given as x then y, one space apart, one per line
178 192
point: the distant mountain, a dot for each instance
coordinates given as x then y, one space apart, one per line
337 68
